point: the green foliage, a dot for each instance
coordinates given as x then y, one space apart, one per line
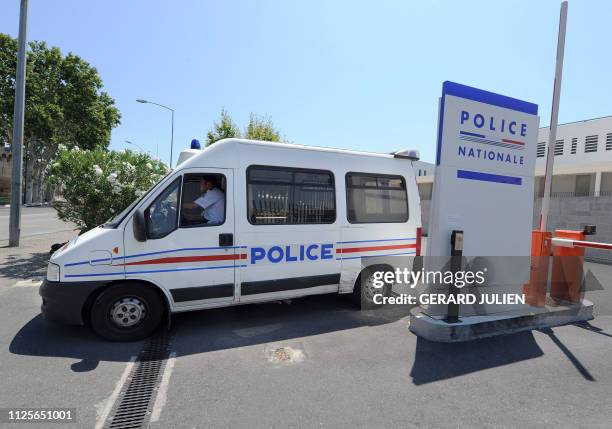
261 128
98 184
65 102
224 128
8 65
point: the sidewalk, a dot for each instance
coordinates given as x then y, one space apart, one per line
29 260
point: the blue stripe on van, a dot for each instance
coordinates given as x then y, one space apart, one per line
186 249
155 271
374 241
377 256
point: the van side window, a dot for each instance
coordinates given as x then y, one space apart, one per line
376 198
203 200
290 196
161 216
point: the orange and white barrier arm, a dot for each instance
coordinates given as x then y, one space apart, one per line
567 242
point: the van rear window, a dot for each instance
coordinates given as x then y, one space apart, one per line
290 196
376 198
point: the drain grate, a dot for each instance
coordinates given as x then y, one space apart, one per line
131 410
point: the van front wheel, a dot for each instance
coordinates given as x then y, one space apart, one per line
126 312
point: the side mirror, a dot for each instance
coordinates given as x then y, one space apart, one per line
139 225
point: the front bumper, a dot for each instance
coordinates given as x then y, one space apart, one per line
63 302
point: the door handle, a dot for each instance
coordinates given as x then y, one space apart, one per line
226 239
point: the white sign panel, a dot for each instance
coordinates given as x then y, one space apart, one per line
484 181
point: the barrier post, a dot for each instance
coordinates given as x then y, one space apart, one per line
535 290
452 312
567 269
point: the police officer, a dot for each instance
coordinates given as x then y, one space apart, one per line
212 201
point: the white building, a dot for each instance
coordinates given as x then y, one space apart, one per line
583 161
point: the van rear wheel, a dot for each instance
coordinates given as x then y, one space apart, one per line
364 290
126 312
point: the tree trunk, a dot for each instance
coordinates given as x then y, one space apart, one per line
29 185
42 188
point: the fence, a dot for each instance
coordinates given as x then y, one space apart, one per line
568 213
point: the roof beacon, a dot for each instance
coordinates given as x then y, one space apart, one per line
412 154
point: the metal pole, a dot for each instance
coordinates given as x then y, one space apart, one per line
172 139
140 100
18 116
554 117
452 310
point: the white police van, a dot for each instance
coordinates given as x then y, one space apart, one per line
297 221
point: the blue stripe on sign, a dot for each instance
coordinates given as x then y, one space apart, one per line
465 133
488 177
482 96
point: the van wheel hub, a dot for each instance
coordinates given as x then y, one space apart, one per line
128 312
369 288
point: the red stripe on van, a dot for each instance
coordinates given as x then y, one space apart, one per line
199 258
374 248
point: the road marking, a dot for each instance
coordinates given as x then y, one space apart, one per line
35 282
31 215
162 392
104 411
35 234
257 330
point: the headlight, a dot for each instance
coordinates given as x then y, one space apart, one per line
53 272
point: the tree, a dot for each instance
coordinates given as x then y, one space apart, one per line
98 184
224 128
65 103
261 128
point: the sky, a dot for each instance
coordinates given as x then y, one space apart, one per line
362 75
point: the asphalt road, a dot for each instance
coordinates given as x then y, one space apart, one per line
35 221
352 369
347 368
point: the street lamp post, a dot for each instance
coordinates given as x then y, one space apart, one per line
134 144
140 100
18 119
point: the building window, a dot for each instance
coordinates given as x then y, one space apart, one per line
290 196
590 144
541 150
425 190
376 198
609 141
574 145
606 184
583 185
559 147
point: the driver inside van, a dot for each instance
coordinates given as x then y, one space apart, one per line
212 201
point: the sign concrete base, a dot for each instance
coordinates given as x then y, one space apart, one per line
474 327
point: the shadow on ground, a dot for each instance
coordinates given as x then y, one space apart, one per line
440 361
242 326
20 267
205 331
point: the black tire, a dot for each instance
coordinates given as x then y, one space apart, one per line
147 314
360 296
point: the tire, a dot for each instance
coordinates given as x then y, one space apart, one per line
363 297
126 312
